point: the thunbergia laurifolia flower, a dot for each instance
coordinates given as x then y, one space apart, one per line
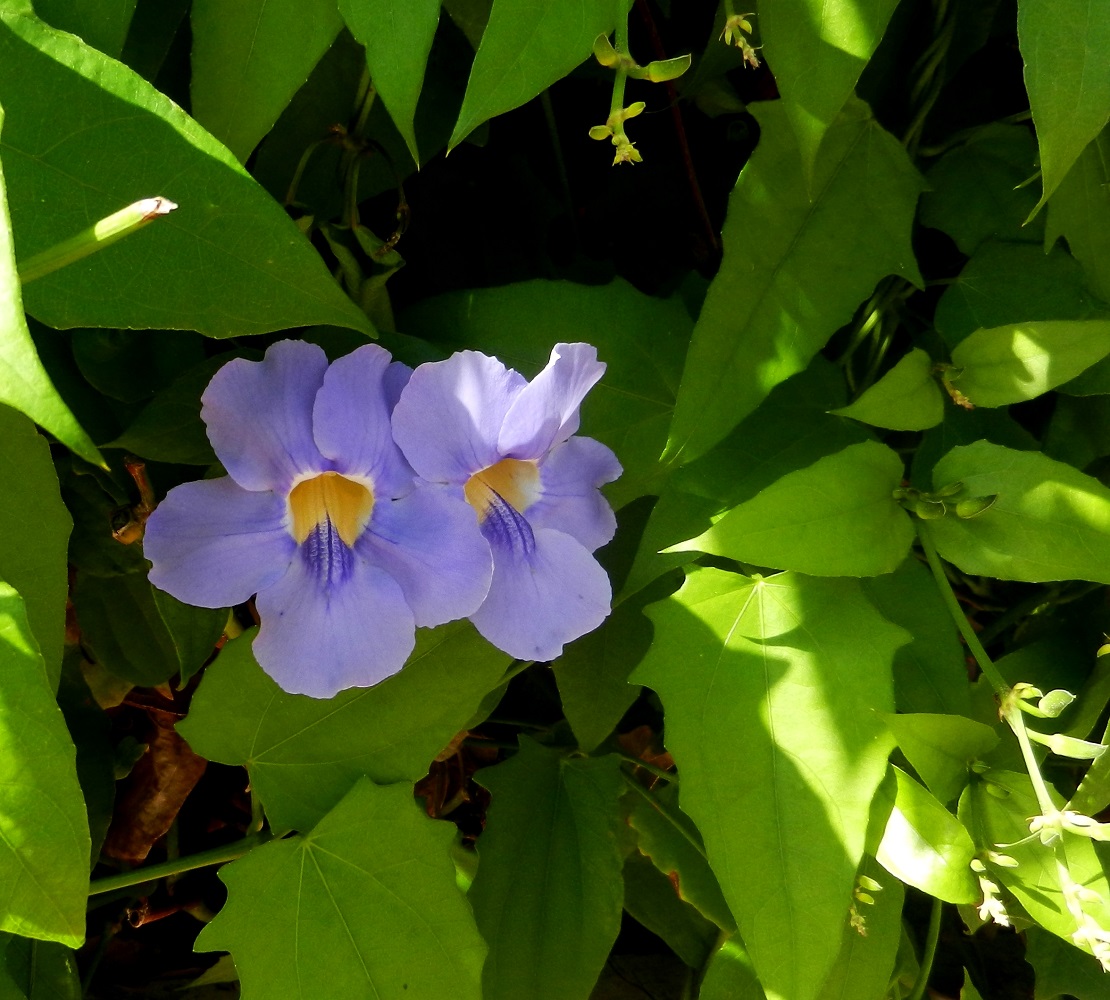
321 517
508 446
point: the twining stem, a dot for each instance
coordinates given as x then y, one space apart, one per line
932 935
216 856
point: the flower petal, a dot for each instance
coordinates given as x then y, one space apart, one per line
259 415
450 414
569 499
539 602
350 421
546 412
318 642
213 543
429 542
397 376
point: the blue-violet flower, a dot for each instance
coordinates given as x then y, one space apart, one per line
321 517
508 446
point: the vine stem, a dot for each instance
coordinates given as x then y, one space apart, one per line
932 936
216 856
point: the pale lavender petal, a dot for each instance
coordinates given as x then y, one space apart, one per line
350 420
259 415
319 640
450 414
546 412
397 376
430 544
569 499
542 599
214 544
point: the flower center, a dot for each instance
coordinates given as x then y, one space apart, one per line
332 501
512 480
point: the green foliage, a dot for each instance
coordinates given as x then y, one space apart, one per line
906 398
305 910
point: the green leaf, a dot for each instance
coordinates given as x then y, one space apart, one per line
1050 522
398 37
1067 75
303 754
940 747
1080 212
592 673
194 632
1062 968
783 290
37 970
364 906
977 190
789 430
641 339
926 846
665 834
866 960
227 262
1009 364
24 384
527 47
1012 283
547 896
771 689
906 398
1079 430
730 975
123 629
818 52
835 518
33 546
250 58
101 23
44 835
930 674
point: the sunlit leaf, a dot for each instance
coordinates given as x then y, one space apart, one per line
730 975
906 398
770 688
44 835
782 290
547 896
940 747
303 754
363 906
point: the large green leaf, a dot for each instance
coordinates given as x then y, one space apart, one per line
940 747
770 688
1050 522
547 896
906 398
44 834
101 23
1067 75
303 754
1010 364
818 51
398 37
24 384
783 289
838 517
249 58
37 970
1080 212
926 846
525 48
365 905
227 262
641 339
33 544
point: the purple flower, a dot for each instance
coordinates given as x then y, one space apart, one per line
321 517
506 445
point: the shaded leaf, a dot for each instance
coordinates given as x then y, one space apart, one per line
782 290
837 517
37 970
44 835
250 58
194 632
547 896
1050 522
650 897
366 903
906 398
1062 968
770 688
300 766
227 262
940 747
101 23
